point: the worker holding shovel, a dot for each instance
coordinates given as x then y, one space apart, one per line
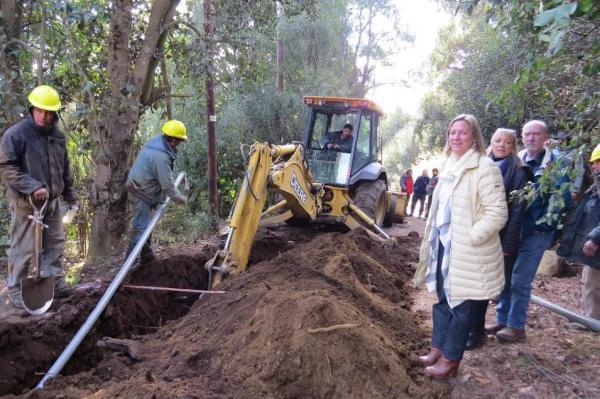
35 170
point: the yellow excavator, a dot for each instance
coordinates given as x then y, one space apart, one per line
313 180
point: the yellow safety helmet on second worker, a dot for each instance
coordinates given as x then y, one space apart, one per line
45 97
595 154
175 128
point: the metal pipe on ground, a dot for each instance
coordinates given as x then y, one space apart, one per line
85 328
586 321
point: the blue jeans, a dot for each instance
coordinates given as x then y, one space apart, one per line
141 214
451 326
514 298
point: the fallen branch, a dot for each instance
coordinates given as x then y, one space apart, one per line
332 328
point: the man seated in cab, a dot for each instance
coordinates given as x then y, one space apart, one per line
341 140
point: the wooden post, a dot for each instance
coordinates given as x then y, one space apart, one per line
211 117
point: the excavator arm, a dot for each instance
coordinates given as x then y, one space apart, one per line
282 169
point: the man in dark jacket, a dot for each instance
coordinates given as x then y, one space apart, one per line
430 188
150 181
420 190
34 165
340 141
581 239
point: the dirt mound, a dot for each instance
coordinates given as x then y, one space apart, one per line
327 318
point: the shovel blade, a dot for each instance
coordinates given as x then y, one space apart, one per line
37 294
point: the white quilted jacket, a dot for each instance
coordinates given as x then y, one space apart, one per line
478 213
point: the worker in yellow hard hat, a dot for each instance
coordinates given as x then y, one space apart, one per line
150 181
34 165
580 241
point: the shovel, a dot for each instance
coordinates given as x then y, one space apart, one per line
37 292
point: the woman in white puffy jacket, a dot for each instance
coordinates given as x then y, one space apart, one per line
461 256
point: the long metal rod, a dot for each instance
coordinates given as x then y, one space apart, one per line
586 321
170 289
108 294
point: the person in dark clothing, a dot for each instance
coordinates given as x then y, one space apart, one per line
430 187
341 140
34 166
539 232
420 192
150 181
515 175
580 241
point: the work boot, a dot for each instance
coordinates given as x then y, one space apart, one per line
432 357
61 287
14 296
511 334
475 340
494 328
443 368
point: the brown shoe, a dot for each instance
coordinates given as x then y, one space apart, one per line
432 357
494 328
511 334
444 368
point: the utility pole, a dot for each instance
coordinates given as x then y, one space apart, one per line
211 117
279 73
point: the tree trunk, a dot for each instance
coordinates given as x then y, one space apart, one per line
279 131
11 16
115 123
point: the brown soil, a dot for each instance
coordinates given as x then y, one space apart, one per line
320 314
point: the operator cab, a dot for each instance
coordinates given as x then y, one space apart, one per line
327 117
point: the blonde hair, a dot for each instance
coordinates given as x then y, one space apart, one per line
508 132
475 131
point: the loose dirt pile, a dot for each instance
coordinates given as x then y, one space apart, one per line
326 318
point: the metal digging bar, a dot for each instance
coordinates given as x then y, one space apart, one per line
586 321
108 294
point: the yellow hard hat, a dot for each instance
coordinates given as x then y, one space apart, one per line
595 154
174 128
45 97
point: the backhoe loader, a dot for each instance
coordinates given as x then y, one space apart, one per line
312 181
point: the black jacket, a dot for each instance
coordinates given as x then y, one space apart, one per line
582 224
515 175
32 157
421 185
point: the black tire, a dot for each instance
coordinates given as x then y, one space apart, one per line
390 215
371 198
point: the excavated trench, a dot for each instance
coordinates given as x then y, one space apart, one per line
30 345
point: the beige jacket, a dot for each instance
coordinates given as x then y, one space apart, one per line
479 211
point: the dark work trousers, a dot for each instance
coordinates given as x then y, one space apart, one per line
479 316
416 199
141 214
450 326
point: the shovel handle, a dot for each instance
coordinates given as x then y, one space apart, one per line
38 225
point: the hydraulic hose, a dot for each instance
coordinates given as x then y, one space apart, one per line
85 328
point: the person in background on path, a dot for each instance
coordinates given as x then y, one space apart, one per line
580 241
34 165
430 187
407 186
515 175
420 192
461 255
150 181
537 237
340 141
